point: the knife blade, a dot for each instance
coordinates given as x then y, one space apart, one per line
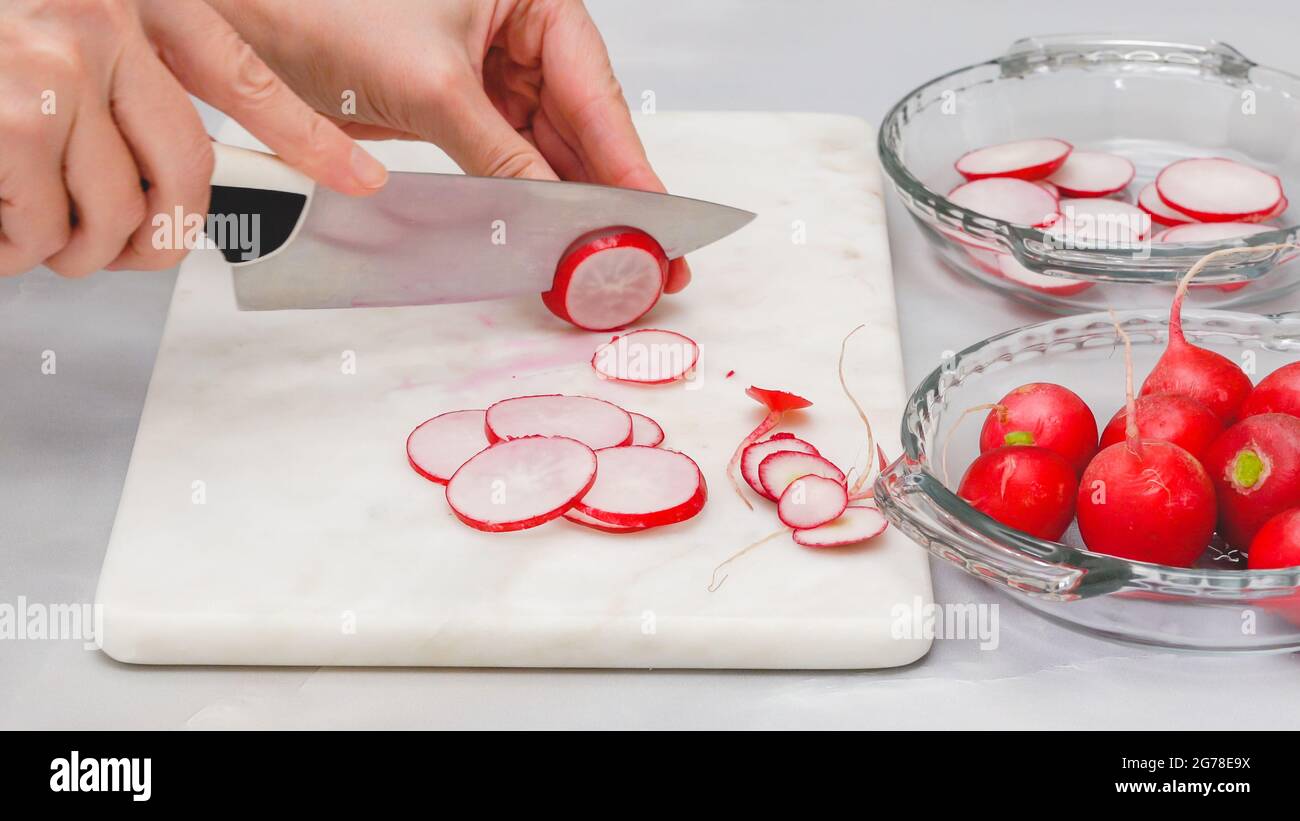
424 238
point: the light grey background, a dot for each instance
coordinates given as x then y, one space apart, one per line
65 441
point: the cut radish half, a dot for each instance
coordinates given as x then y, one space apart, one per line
1092 174
1008 199
1011 268
579 518
522 483
645 431
438 446
857 524
1023 159
779 469
608 279
1210 231
648 357
1149 201
644 487
754 455
1097 222
594 422
1216 189
811 501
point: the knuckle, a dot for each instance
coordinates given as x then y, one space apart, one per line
252 80
508 162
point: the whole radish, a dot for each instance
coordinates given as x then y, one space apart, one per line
1043 414
1168 417
1024 487
1279 392
1144 499
1277 544
1255 465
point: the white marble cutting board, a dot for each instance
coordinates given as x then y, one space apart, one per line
269 515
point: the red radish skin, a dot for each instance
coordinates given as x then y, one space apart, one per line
857 524
594 422
1092 174
438 446
812 501
1011 200
1255 466
608 279
647 357
1279 392
1168 417
1277 544
645 431
644 487
1023 159
753 456
1028 488
522 483
1149 200
1010 268
1047 415
778 404
777 471
579 518
1216 189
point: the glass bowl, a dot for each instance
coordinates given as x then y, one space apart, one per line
1213 606
1153 102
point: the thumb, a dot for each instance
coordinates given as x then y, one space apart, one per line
478 138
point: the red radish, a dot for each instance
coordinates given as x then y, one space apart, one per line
594 422
1216 189
857 524
757 452
1028 488
1208 377
1092 174
1277 544
1168 417
1098 222
1210 231
1279 392
1043 414
438 446
1023 159
1255 466
1144 499
1010 267
644 487
648 357
608 279
778 470
812 501
1149 200
1008 199
778 404
579 518
1282 206
522 483
645 431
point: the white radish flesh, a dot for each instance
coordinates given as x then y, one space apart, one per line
754 455
594 422
812 501
438 446
1023 159
522 483
1011 268
645 431
1216 189
648 357
1149 201
1008 199
778 470
1092 174
1097 222
608 280
857 524
1210 231
644 487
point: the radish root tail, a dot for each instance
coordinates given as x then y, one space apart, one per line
952 431
865 475
715 583
1131 435
1176 311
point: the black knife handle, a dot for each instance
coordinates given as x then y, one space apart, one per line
258 203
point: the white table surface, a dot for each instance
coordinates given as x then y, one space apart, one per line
65 441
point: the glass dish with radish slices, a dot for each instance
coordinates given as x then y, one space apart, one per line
1076 173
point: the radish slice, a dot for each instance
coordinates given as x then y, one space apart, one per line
438 446
522 483
1008 199
1097 222
1023 159
857 524
647 357
644 487
812 501
1092 174
593 422
645 431
1210 231
608 279
1149 201
754 455
579 518
1011 268
1216 189
779 469
1049 188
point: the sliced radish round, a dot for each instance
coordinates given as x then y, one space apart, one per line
438 446
1098 222
1011 268
857 524
522 483
1281 208
1216 189
811 501
608 279
594 422
754 455
638 486
579 518
1210 231
1092 174
1149 201
778 470
1023 159
1008 199
647 357
645 431
1049 188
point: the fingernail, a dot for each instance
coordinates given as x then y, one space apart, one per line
367 170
